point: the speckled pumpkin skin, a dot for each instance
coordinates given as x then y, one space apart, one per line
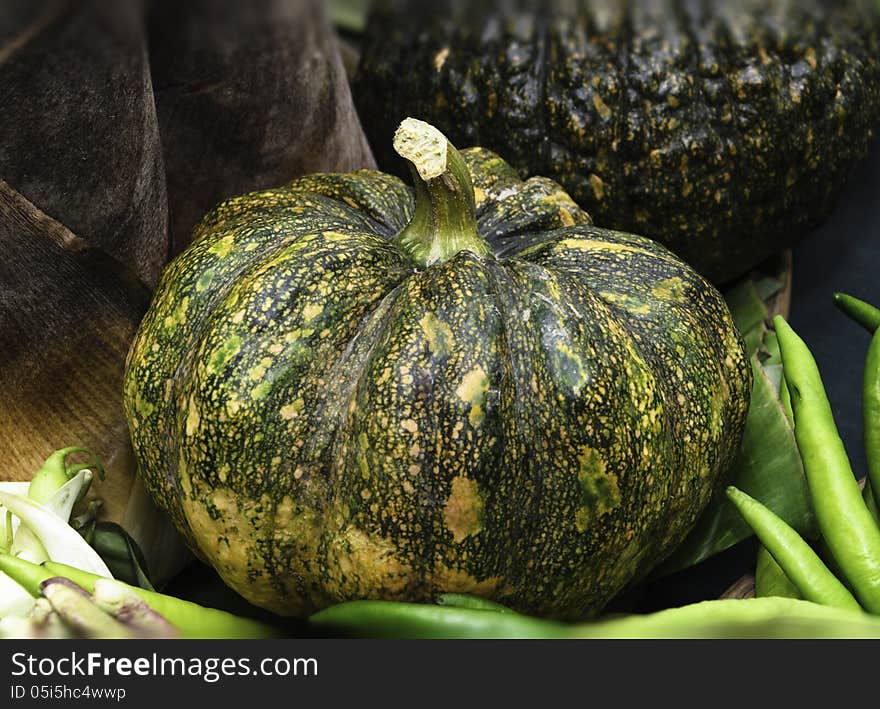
723 128
325 422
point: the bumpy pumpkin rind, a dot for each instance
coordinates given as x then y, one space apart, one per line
326 422
724 129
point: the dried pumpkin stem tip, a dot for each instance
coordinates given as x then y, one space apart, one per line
444 218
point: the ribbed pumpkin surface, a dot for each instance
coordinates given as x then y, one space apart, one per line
325 421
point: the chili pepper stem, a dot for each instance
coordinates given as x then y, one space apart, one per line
861 312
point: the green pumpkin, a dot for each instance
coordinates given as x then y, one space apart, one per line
346 389
725 129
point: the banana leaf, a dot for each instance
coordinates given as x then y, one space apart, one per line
768 466
249 95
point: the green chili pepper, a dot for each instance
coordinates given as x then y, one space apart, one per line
730 618
770 579
26 574
863 313
871 414
121 554
388 619
844 521
796 558
191 619
738 618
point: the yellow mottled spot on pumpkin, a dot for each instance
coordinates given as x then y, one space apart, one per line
472 390
143 407
479 195
437 333
291 411
222 354
601 107
361 564
223 246
600 492
458 581
259 392
193 418
440 58
205 279
311 311
634 305
178 315
410 425
257 372
463 511
670 289
226 527
568 368
598 187
810 56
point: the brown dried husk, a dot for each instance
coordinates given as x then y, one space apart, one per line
79 137
83 229
249 95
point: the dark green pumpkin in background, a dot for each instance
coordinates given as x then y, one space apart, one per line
723 128
346 389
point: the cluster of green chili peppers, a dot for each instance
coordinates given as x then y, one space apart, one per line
797 594
845 572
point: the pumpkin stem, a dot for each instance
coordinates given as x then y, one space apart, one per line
444 221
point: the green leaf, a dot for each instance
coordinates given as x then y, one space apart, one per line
121 554
749 313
